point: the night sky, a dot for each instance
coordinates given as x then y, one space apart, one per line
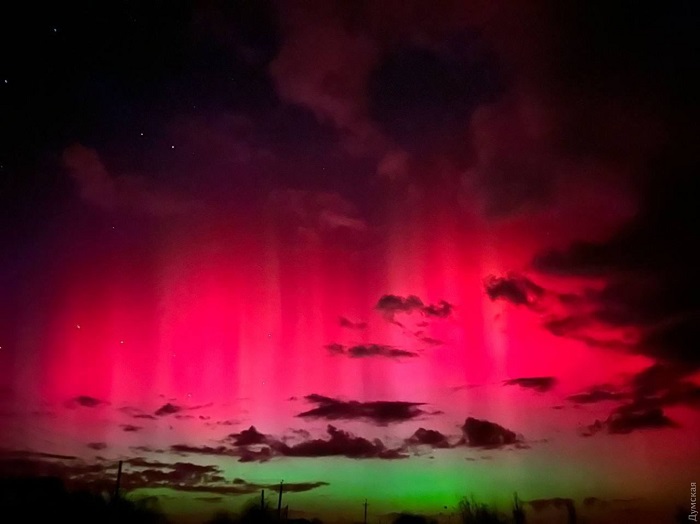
403 251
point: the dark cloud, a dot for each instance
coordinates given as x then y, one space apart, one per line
168 409
247 437
644 399
202 450
485 434
441 310
539 384
346 323
76 472
340 443
391 305
335 348
97 446
595 395
428 340
309 215
137 473
145 449
298 487
245 488
130 428
428 437
419 95
369 351
85 401
242 453
379 412
137 413
29 454
514 288
146 416
252 455
121 193
629 418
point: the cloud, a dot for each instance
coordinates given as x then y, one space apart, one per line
97 446
340 443
298 487
253 455
312 215
485 434
595 395
644 399
442 309
29 454
130 428
344 322
391 305
370 350
247 437
252 449
203 450
325 67
85 401
137 472
629 418
168 409
378 412
122 193
514 288
428 437
539 384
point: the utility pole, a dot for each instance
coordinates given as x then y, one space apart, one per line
119 481
262 500
365 511
279 502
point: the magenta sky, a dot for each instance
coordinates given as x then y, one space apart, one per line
401 252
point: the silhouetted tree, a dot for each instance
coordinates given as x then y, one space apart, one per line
44 499
518 511
570 512
472 512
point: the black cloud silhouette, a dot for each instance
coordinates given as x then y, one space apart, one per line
539 384
486 434
369 350
379 412
247 437
85 401
428 437
340 443
514 288
168 409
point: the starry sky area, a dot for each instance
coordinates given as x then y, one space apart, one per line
402 251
